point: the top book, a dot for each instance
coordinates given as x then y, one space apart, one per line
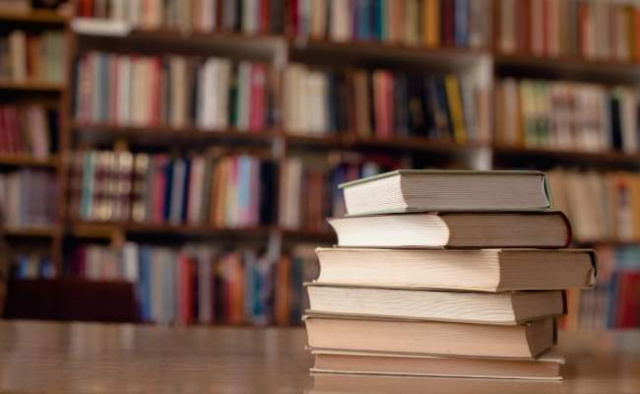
433 190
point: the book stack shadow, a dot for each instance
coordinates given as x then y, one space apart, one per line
445 273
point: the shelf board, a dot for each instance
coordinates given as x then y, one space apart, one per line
571 67
34 17
568 156
31 86
348 141
27 161
170 136
106 228
31 232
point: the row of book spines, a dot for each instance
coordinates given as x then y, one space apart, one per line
614 305
32 57
593 116
29 130
248 16
230 191
187 287
301 180
20 198
383 103
176 91
427 22
30 266
570 27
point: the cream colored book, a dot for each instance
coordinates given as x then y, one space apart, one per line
491 270
436 190
534 229
525 341
465 307
546 367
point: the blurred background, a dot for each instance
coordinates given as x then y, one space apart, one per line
173 161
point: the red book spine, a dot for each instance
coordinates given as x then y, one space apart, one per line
636 14
264 16
113 89
629 293
3 130
12 129
583 18
257 93
193 290
183 289
154 116
447 22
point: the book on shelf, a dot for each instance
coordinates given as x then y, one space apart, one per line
328 361
22 201
383 104
456 229
211 94
488 270
569 28
202 284
349 333
15 6
503 308
32 266
222 191
28 56
566 115
430 23
246 16
433 190
305 176
601 206
28 130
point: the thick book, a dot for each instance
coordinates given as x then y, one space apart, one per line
491 270
451 229
547 366
508 308
430 337
434 190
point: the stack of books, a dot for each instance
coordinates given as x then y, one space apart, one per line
452 273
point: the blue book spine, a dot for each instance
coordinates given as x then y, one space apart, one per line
363 19
144 284
381 18
185 189
168 170
461 22
613 298
244 189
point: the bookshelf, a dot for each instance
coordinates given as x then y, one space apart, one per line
485 64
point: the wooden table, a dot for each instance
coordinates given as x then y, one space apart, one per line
86 358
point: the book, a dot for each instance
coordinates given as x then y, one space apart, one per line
424 190
502 308
546 366
456 229
525 341
488 270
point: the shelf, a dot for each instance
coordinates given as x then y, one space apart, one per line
31 86
169 136
355 52
326 236
34 17
97 229
568 156
571 67
27 161
31 232
418 144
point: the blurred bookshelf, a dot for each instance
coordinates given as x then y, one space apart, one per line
325 94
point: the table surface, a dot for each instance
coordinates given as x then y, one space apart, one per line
100 358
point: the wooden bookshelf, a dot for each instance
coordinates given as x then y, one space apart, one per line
31 232
281 50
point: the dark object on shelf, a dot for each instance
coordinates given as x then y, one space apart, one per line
71 299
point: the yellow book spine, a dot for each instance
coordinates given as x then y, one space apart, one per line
432 22
455 106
